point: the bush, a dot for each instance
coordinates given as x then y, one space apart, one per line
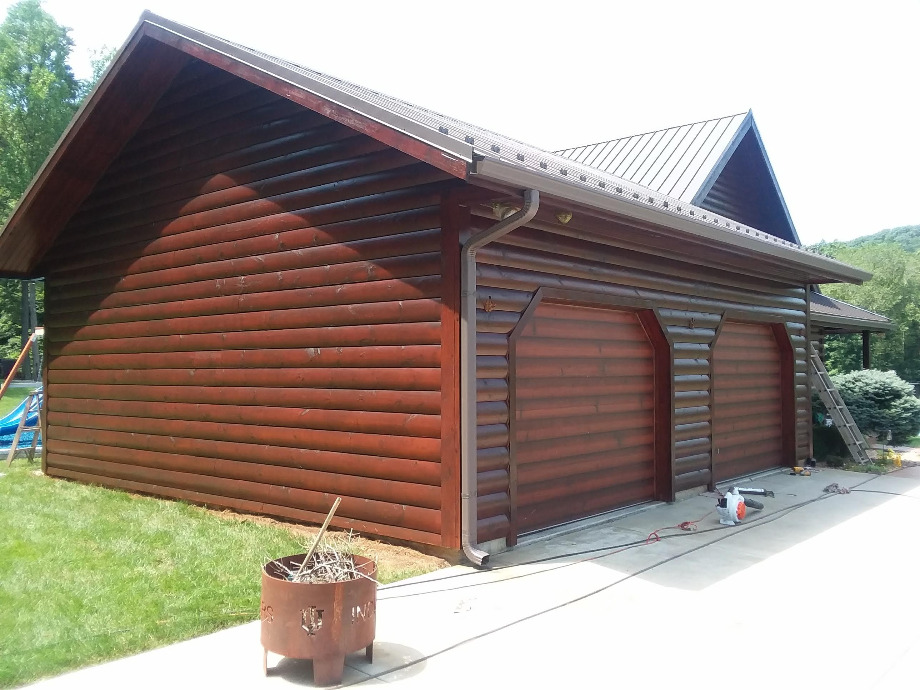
880 401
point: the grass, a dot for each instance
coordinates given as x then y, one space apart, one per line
11 398
913 442
88 574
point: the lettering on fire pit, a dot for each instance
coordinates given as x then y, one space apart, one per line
268 613
363 612
312 620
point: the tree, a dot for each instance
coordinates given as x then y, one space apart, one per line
38 96
893 291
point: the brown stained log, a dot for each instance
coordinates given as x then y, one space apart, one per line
416 243
634 251
490 505
354 295
691 399
689 415
221 244
338 441
336 483
373 335
375 313
491 389
393 379
490 435
495 527
352 507
684 449
630 430
598 281
249 506
410 402
389 423
496 321
690 383
683 367
691 430
269 140
492 412
353 464
492 482
488 367
693 463
339 221
298 203
355 272
204 141
334 160
554 264
504 300
490 459
405 357
495 344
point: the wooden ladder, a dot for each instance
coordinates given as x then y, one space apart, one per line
837 408
23 427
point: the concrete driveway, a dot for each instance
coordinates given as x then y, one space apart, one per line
817 590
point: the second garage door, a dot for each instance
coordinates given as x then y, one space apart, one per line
747 429
584 414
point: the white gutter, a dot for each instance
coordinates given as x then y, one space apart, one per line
468 467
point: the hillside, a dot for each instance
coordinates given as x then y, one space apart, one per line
906 236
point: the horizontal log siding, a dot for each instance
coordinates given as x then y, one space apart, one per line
247 313
690 307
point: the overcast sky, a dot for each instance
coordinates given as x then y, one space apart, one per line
834 86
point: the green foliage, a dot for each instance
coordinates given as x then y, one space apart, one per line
906 236
893 291
38 95
880 401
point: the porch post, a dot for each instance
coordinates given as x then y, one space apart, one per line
867 357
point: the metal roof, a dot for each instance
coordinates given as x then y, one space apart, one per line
719 164
836 315
490 156
675 161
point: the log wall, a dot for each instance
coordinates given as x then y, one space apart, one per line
690 301
247 312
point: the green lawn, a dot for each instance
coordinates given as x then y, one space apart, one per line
89 574
914 442
11 398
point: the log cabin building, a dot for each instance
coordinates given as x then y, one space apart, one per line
266 287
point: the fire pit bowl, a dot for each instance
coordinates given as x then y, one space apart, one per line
320 621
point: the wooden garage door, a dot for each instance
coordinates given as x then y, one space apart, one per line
584 414
747 401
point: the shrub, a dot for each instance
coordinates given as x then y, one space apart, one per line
880 401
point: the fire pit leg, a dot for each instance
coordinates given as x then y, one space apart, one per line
264 661
329 670
369 653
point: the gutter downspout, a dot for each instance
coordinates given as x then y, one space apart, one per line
468 369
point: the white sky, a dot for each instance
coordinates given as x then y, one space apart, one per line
835 86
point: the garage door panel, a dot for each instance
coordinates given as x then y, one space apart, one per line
584 414
554 511
747 401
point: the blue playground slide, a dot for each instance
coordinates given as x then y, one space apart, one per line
10 423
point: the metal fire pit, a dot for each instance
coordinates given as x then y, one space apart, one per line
318 621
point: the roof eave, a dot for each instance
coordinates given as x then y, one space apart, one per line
821 320
815 268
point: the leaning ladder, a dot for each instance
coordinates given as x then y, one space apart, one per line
23 427
837 408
